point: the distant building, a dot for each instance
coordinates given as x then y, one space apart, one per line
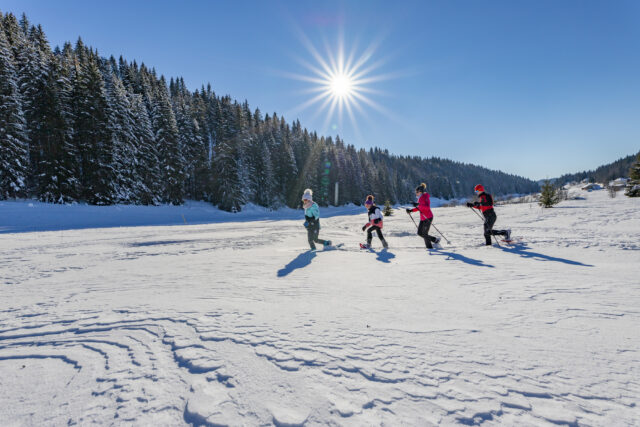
618 184
591 186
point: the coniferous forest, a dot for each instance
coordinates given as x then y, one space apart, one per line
605 173
75 126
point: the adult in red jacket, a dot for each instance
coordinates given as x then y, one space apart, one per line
426 216
484 203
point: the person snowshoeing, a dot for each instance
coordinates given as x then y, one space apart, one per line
375 222
484 203
312 219
426 216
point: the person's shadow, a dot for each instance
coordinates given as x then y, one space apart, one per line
301 261
384 255
522 250
459 257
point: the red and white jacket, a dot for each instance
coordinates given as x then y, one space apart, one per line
375 217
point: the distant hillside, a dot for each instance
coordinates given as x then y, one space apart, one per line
605 173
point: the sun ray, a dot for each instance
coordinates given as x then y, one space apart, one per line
323 106
310 102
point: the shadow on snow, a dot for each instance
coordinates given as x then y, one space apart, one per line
522 250
383 255
459 257
301 261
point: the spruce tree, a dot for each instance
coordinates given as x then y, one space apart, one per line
123 140
148 165
14 159
261 177
633 186
169 148
548 195
58 180
388 210
228 189
92 132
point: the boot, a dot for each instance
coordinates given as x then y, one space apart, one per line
384 243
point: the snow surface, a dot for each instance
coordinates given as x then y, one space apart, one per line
236 323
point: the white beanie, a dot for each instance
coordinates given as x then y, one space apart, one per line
307 194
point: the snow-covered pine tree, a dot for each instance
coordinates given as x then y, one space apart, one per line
243 136
260 167
92 132
200 165
189 136
633 186
14 155
285 168
120 114
58 179
169 148
228 190
226 182
148 165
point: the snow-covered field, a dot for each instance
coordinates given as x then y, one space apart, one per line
236 323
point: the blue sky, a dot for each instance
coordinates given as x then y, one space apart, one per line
534 88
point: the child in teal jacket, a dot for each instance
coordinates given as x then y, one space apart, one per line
312 219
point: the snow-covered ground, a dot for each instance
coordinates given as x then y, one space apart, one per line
236 323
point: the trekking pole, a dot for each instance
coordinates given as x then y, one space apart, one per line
436 228
483 220
414 221
476 212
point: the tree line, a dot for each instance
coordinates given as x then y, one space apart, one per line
75 126
605 173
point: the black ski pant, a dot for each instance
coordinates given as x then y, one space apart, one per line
313 230
377 229
490 219
423 230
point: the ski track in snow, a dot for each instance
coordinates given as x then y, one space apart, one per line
236 323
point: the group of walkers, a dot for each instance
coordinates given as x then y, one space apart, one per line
483 202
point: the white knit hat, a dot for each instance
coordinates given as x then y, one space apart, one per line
307 194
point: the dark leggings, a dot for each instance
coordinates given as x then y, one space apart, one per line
423 230
370 231
313 230
490 219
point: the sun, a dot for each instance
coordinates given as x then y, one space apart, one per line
342 84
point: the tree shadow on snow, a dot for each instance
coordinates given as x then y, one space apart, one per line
522 250
301 261
459 257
